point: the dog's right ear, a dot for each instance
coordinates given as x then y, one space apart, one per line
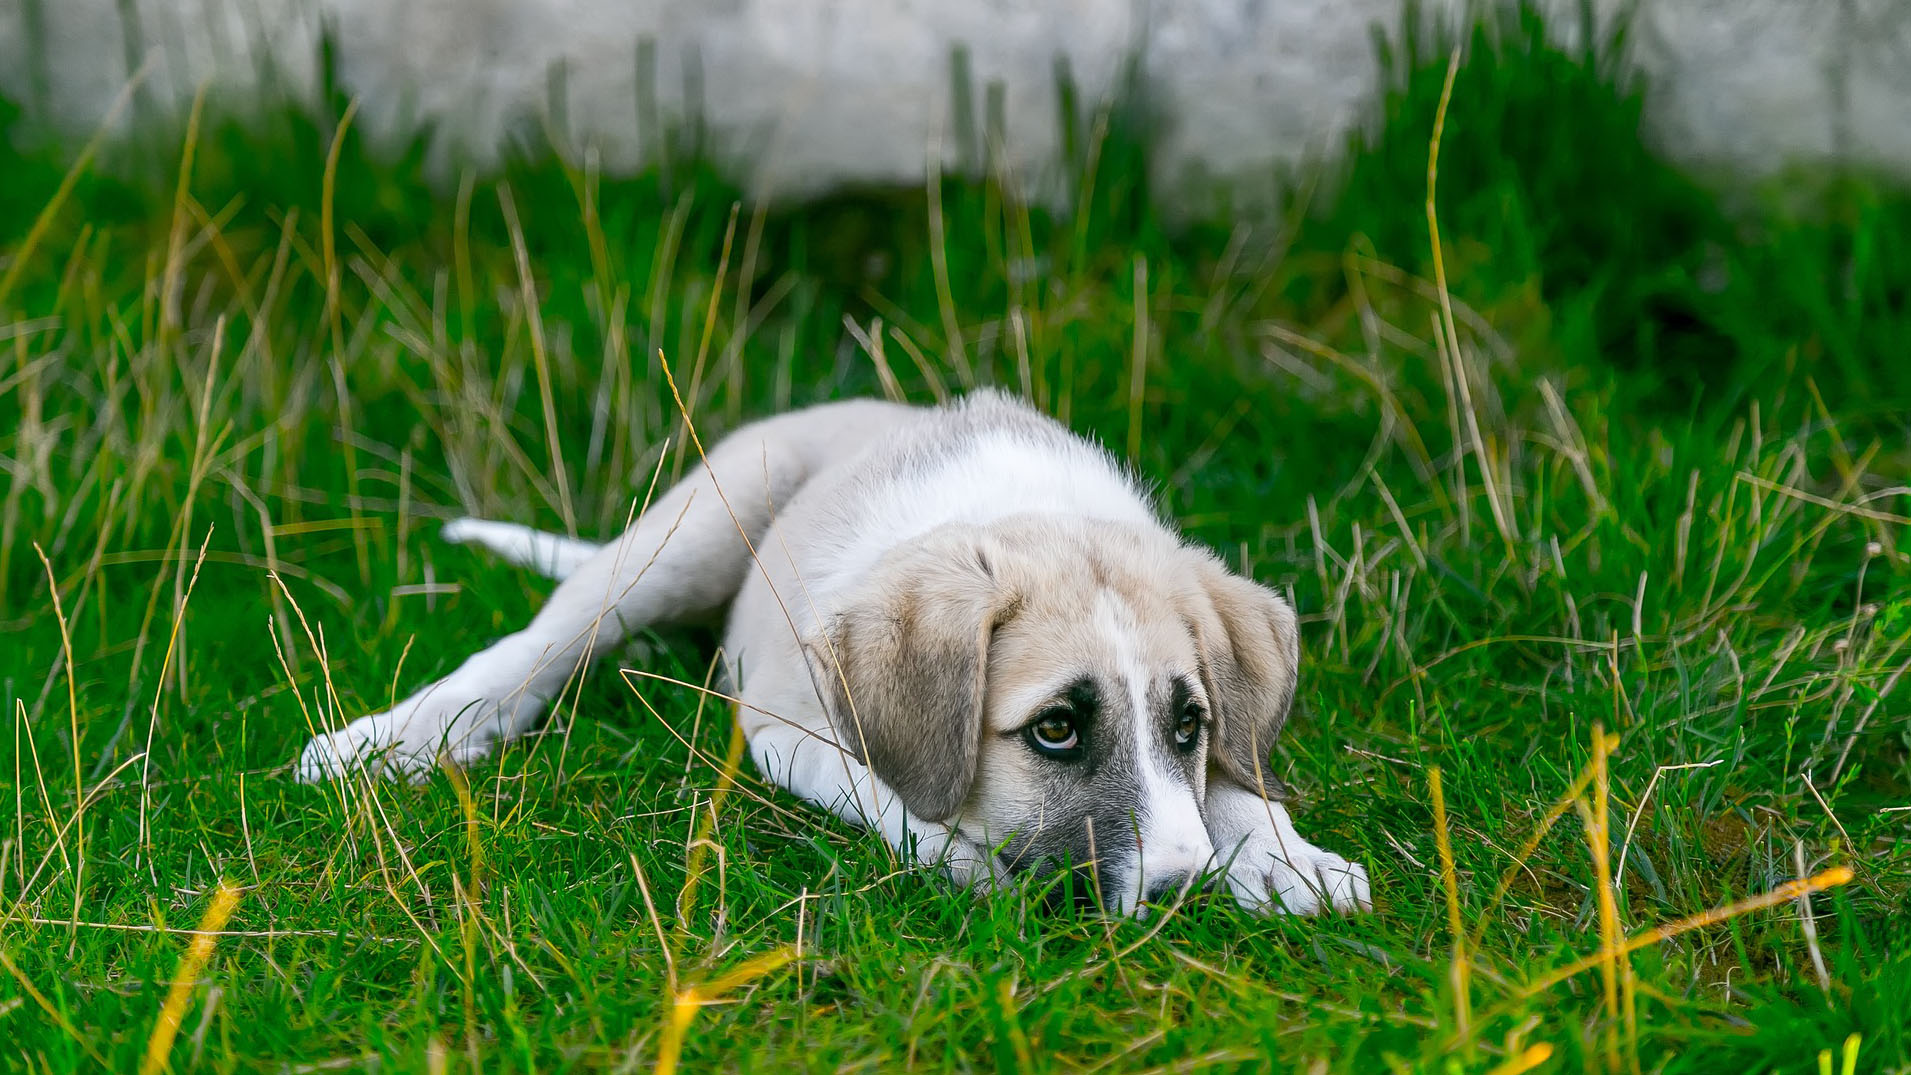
902 667
1249 641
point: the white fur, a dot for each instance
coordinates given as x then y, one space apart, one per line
813 495
1271 868
1173 838
547 554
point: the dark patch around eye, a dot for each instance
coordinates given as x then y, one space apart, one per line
1075 712
1083 701
1080 702
1182 707
1179 695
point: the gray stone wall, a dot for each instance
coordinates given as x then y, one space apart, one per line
801 96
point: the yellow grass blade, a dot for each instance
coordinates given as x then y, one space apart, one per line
684 1004
73 715
1790 890
1599 842
698 852
1546 822
1527 1059
159 1046
1449 879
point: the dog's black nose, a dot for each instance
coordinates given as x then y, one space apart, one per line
1165 889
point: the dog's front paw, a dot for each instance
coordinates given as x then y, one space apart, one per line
448 721
1270 869
1298 878
376 744
966 863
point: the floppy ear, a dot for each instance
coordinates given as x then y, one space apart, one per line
1249 642
902 667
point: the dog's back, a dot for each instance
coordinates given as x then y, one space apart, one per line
984 458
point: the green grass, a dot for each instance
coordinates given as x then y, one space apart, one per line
1682 518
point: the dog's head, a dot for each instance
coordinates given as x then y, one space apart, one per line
1062 690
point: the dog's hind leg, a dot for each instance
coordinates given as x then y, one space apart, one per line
684 558
552 555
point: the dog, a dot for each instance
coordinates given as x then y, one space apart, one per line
962 627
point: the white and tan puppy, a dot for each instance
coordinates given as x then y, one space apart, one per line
962 627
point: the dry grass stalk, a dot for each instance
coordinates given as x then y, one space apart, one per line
159 1045
1461 973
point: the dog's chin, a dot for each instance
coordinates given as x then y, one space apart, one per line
1066 889
1062 887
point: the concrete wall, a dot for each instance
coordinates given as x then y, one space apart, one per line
800 96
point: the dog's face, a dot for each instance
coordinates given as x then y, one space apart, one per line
1061 691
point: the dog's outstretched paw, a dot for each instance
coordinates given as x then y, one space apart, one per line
459 719
968 865
370 745
1298 878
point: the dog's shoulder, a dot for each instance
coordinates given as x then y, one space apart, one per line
991 410
985 456
995 429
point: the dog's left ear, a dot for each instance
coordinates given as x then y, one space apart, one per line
902 667
1249 644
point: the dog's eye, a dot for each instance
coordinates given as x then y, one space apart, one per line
1188 727
1054 732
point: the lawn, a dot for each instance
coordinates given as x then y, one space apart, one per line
1598 523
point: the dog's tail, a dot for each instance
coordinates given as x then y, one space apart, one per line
690 550
548 554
